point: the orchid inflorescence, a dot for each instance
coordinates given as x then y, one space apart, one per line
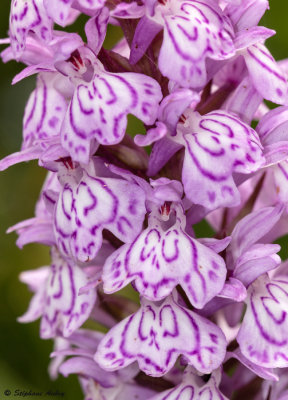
202 318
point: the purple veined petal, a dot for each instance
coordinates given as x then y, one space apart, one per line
28 16
264 373
156 335
247 13
99 109
263 335
256 261
217 145
251 229
244 101
145 32
159 259
44 111
60 305
43 116
195 31
95 29
61 12
91 204
194 388
265 74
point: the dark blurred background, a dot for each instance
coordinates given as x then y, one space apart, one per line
23 356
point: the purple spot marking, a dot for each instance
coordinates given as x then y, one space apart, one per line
212 276
53 122
211 196
110 356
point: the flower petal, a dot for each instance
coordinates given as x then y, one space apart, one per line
250 229
193 387
96 28
217 145
158 260
247 13
263 336
92 204
265 74
156 335
58 302
197 30
99 109
44 111
26 16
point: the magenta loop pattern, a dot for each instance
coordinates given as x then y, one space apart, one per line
145 143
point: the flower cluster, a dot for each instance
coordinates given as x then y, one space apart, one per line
200 317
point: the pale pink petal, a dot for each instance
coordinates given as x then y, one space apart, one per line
156 335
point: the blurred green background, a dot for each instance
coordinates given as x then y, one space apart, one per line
23 356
